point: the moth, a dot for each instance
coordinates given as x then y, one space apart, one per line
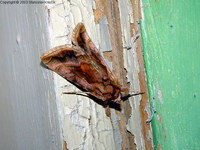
82 64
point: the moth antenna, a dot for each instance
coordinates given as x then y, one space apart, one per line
133 93
136 92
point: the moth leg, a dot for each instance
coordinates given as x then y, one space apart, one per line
77 92
132 93
107 111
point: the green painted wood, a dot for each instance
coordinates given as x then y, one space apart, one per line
171 44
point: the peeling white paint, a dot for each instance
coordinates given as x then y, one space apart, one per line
117 134
126 18
134 122
104 34
132 67
142 9
84 123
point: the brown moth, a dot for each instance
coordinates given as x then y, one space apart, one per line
82 64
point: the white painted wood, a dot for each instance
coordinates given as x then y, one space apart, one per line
84 123
132 67
34 113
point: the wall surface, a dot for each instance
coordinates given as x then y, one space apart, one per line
111 26
170 31
34 112
28 111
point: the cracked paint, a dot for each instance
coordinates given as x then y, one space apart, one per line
132 67
84 124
